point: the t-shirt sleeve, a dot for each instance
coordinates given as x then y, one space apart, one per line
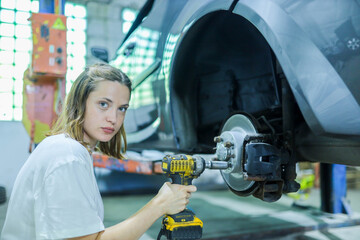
68 204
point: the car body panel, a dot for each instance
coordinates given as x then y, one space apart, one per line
195 63
294 31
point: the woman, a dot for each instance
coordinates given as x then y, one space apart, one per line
55 195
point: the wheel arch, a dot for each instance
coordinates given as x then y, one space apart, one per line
190 60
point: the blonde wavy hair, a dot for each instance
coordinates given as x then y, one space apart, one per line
71 119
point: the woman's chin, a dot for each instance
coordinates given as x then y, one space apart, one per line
105 138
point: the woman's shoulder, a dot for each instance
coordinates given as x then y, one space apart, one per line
59 150
61 138
61 143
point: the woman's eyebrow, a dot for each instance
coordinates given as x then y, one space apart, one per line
107 99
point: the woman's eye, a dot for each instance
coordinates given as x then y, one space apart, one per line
104 104
123 109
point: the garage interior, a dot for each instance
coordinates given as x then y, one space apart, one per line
304 214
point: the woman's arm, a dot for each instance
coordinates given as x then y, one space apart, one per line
171 199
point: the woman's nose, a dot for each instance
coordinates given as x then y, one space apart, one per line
111 116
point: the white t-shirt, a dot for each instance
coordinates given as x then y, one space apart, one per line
55 195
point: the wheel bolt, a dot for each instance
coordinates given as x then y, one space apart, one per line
228 144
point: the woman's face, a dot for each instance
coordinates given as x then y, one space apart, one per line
105 111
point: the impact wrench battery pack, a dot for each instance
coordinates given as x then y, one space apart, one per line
181 226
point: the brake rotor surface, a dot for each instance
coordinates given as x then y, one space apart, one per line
235 129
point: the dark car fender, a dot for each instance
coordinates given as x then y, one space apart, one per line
324 99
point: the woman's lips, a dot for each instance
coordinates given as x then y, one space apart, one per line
107 130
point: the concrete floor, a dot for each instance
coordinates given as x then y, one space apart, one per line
227 216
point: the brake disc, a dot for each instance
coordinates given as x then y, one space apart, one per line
229 147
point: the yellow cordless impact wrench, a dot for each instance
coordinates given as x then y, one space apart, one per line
182 169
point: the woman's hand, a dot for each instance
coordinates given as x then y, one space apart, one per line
173 198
